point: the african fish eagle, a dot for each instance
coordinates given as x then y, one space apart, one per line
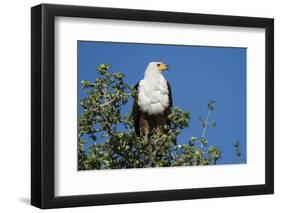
153 102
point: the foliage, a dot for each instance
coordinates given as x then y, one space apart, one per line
238 151
113 141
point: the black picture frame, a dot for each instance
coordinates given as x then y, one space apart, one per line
43 117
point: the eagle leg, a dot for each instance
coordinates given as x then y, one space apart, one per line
144 126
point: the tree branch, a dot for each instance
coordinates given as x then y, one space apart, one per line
153 156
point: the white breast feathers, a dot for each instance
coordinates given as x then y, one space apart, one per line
153 95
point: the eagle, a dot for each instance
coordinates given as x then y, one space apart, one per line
153 101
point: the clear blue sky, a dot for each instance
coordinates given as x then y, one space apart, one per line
197 74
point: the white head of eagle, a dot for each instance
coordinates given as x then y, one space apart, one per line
153 102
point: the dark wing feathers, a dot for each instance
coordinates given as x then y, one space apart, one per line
170 95
136 111
168 110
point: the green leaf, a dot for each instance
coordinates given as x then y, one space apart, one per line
193 139
214 125
204 141
211 105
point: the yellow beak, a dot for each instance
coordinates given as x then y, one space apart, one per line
163 67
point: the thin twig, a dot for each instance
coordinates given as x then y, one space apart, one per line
109 102
205 125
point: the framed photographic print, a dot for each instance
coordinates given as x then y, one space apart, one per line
139 106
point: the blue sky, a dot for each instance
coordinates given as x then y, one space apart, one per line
197 74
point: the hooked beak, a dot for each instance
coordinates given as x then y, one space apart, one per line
163 67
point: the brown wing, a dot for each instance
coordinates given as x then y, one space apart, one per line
136 116
136 113
168 111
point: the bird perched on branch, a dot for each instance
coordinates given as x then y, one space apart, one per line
153 102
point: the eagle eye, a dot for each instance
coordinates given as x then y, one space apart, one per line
158 65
